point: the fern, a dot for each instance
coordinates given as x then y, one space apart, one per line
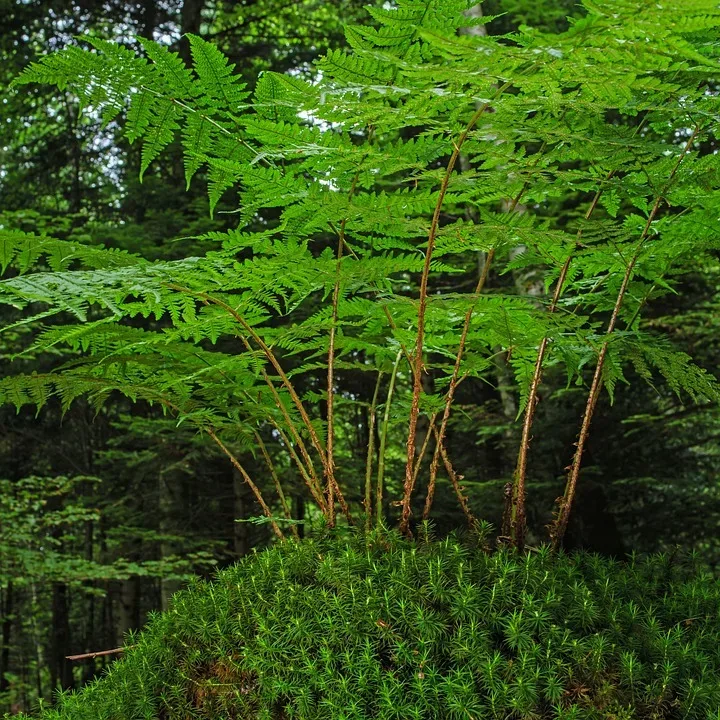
409 155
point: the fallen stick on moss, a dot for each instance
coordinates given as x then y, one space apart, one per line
92 655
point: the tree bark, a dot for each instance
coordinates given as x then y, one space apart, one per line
6 610
60 668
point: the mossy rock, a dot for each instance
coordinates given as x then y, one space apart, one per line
388 628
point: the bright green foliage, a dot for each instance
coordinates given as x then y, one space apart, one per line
342 182
391 629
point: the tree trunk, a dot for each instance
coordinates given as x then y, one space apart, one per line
6 611
190 19
128 615
60 668
171 514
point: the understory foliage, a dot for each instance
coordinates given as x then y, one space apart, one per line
426 150
387 629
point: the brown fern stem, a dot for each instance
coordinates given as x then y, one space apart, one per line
310 480
514 518
332 488
455 378
255 490
422 309
270 355
330 467
276 482
455 482
559 526
370 450
454 382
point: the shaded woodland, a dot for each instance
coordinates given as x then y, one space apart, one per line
106 511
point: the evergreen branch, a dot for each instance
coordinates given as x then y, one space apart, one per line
560 523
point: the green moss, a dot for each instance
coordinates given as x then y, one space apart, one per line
392 629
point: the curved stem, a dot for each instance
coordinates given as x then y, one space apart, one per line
311 481
422 309
370 450
276 481
383 441
514 519
559 525
258 495
332 489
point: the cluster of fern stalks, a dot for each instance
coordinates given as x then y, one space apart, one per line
419 149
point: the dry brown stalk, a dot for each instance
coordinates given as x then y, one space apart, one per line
99 653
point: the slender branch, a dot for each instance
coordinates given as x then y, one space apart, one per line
99 653
256 491
560 523
276 480
383 440
332 484
370 450
422 309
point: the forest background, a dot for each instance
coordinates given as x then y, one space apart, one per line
104 514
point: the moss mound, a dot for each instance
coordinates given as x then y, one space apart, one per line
346 630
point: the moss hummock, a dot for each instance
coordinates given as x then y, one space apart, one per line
391 629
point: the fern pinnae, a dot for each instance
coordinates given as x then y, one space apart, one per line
313 482
560 522
422 307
